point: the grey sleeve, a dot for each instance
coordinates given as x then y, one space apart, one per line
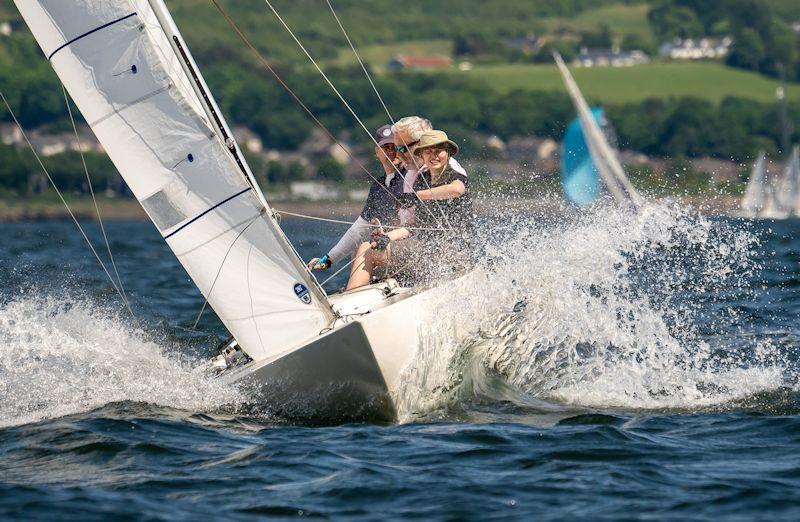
355 235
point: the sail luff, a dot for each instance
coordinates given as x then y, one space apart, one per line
117 63
601 151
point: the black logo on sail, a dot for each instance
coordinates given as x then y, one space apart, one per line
301 292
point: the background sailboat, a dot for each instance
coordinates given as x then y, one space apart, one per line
771 197
603 155
580 177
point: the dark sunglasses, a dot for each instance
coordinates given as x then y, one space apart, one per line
403 148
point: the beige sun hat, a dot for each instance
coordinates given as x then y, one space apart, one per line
433 138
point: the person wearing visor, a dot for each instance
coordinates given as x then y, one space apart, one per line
380 206
441 237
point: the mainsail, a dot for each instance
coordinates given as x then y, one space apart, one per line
605 159
129 72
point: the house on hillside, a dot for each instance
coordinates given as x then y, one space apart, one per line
403 62
701 49
610 58
796 27
529 43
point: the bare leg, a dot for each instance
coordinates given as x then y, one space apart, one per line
366 261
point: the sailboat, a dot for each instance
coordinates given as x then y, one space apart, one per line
603 156
770 198
306 353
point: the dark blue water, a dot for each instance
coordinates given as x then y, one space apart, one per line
650 374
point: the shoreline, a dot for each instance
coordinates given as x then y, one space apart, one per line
129 209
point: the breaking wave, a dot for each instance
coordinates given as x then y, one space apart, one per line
606 309
61 356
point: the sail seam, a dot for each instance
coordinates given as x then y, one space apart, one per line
206 212
84 35
117 110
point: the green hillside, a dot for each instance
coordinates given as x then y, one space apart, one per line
708 80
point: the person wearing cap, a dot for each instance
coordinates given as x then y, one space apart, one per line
380 206
442 235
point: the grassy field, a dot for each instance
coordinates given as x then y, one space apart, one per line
620 18
706 80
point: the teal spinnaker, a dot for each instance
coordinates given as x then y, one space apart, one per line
579 174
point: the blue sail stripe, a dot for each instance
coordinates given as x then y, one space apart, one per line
206 212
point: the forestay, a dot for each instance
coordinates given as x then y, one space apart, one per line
124 67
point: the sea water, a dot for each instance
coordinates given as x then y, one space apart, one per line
606 365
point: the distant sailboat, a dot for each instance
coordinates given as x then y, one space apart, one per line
754 198
770 198
603 155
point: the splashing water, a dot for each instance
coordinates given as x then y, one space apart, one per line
608 309
60 356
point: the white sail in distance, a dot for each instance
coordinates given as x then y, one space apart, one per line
604 157
129 72
789 187
754 198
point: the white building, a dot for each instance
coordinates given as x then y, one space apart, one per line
701 49
610 58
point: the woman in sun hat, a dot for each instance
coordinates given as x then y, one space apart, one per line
440 232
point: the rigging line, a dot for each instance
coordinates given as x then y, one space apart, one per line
341 98
94 200
363 67
58 192
219 270
344 222
338 271
380 98
296 98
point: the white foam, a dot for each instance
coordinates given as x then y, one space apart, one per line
609 316
61 356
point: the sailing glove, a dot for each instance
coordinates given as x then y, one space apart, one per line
322 263
380 242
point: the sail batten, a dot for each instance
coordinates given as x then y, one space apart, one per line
116 59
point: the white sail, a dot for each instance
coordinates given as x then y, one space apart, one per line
789 187
755 194
129 72
604 157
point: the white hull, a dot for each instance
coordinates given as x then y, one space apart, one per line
352 372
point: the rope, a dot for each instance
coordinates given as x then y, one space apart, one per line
58 192
341 98
296 98
343 222
385 108
338 271
94 200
